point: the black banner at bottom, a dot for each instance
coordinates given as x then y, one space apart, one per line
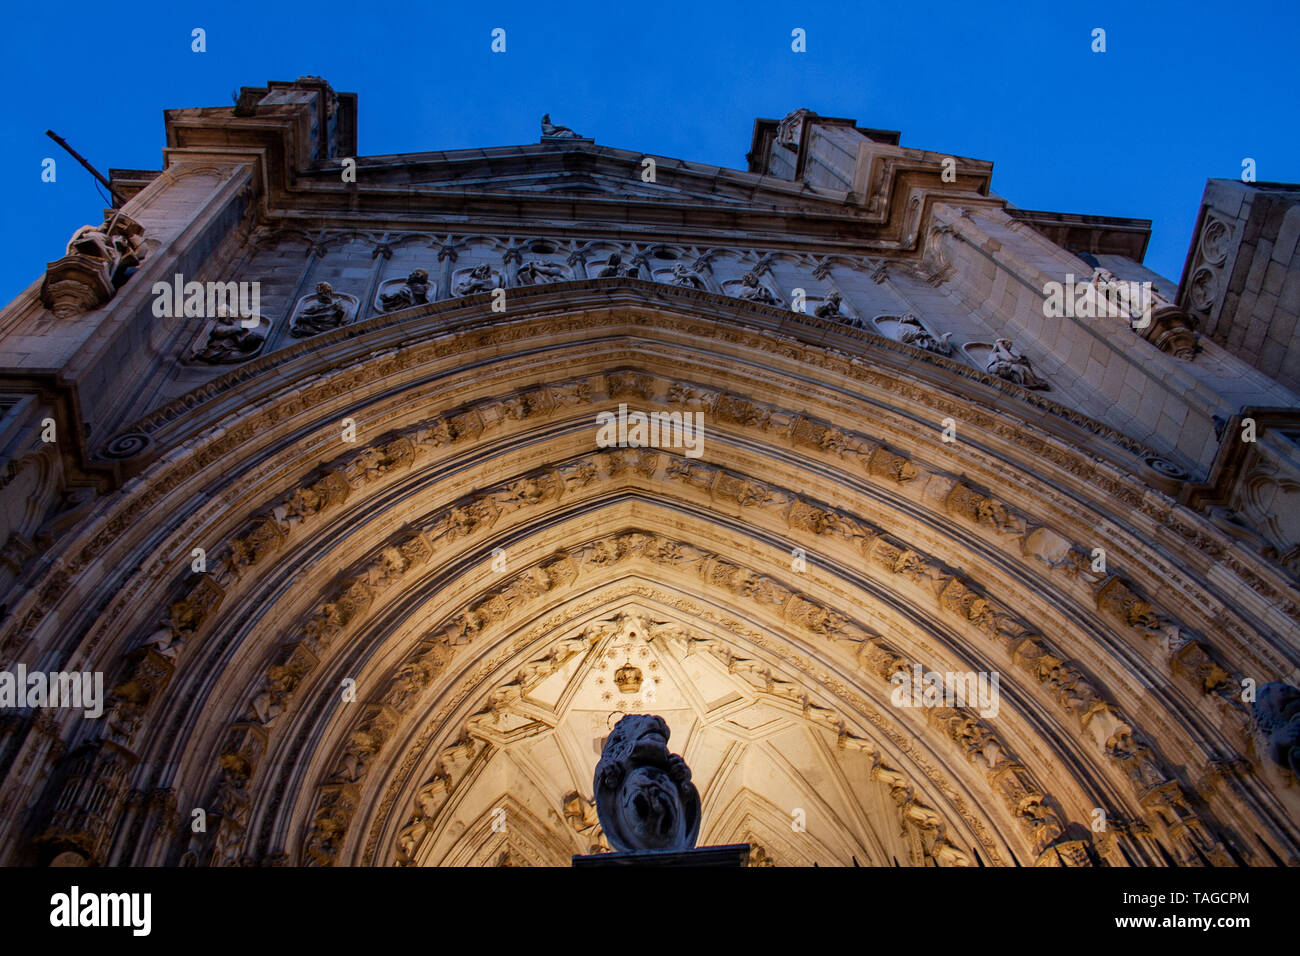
341 906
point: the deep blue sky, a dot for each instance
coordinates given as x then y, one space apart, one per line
1184 92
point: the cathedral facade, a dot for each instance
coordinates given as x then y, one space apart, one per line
375 489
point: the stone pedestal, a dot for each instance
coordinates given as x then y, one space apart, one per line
730 855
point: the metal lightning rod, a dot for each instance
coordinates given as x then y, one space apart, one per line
117 199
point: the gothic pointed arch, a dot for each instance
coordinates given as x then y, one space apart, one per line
373 596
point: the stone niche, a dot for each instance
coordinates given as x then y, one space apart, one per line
1001 359
405 292
533 271
322 311
476 280
229 339
752 288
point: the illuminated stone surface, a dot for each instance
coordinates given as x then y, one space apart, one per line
420 572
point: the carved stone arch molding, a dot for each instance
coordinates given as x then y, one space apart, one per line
373 709
328 560
552 696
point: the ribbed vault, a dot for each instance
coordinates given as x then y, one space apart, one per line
392 637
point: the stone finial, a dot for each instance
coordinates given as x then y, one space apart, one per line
644 796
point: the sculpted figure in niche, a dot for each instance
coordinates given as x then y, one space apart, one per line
534 272
325 312
551 131
478 280
269 704
1137 760
830 309
229 341
303 503
913 333
164 641
644 796
1007 364
688 277
751 290
614 268
415 291
410 838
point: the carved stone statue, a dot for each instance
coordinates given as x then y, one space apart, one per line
830 309
99 260
688 277
1133 298
534 272
117 242
229 341
752 290
644 795
1277 718
164 640
414 291
1007 364
324 312
551 131
478 280
914 333
614 267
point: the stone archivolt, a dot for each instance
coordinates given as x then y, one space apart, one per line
371 464
282 524
1079 466
826 540
481 512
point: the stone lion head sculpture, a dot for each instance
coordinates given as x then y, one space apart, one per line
644 796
